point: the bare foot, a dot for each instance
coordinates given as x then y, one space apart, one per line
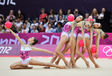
47 67
97 66
69 65
56 62
28 67
21 67
87 64
74 66
62 67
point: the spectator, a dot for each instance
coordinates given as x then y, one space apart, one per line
11 19
42 15
101 16
14 27
19 15
18 24
34 30
41 28
49 29
59 28
76 13
68 13
27 23
45 23
86 15
61 19
34 23
52 16
24 29
10 14
94 13
106 21
60 13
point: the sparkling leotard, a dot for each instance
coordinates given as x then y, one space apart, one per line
24 53
67 27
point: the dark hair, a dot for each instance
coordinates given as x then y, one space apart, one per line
35 41
106 36
59 23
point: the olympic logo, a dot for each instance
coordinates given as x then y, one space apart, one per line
107 50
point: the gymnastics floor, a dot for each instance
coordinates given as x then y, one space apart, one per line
104 70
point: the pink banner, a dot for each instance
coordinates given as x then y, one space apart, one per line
43 38
9 45
105 51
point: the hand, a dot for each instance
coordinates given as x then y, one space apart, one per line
7 28
96 56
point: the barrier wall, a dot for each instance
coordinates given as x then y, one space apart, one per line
9 45
43 38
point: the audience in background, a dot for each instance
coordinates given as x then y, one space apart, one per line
94 13
19 15
11 14
76 13
24 28
18 24
59 27
68 13
51 22
49 29
60 13
86 15
42 15
34 29
52 16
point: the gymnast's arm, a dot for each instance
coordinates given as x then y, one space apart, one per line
42 50
18 38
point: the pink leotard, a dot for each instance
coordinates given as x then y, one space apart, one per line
67 27
24 53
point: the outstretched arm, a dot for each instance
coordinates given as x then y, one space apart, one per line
18 38
42 50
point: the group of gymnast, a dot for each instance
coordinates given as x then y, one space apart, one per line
75 30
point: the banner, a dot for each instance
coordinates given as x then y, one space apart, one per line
105 51
9 45
43 38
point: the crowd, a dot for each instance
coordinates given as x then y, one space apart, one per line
50 22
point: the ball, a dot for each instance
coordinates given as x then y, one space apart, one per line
81 43
93 49
70 18
8 25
